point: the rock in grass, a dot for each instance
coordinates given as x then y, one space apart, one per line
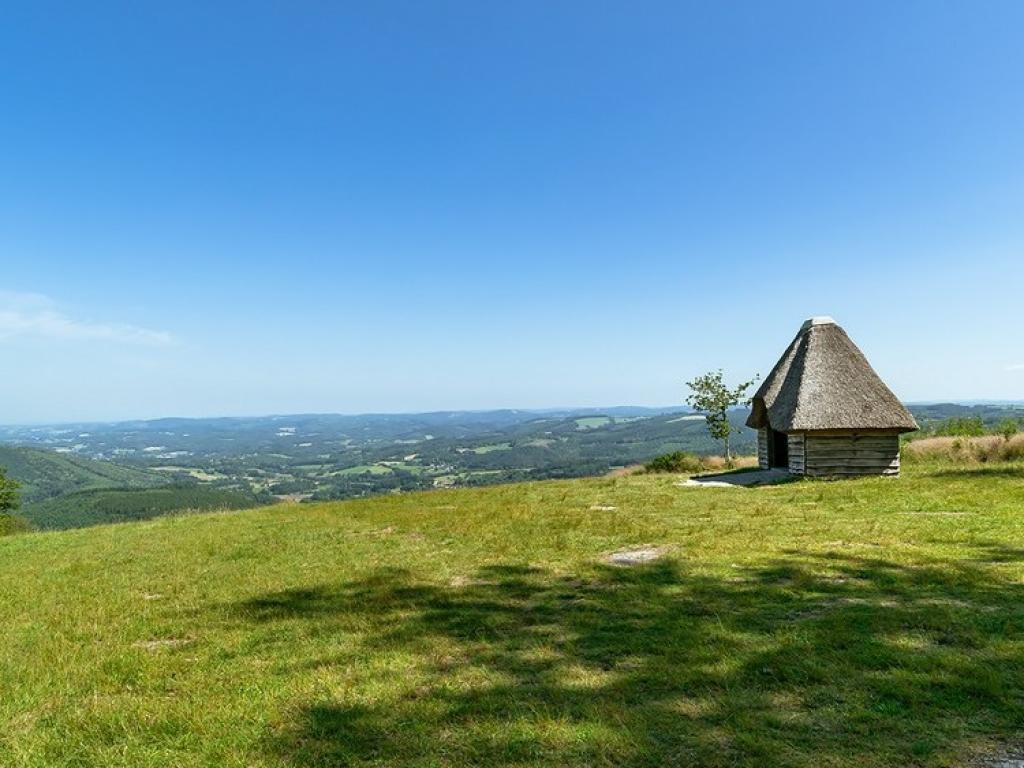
171 642
636 556
1010 759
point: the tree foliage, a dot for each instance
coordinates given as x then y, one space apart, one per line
961 426
711 397
9 499
675 463
1007 428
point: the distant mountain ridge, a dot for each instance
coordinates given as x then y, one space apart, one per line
28 433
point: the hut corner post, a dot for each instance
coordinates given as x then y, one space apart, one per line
762 448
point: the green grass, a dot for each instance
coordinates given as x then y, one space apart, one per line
416 469
363 469
867 623
592 422
491 448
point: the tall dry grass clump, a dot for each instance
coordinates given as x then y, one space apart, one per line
981 450
681 462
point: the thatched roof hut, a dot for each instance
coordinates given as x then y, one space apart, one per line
824 411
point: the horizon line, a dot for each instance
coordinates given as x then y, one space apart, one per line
365 414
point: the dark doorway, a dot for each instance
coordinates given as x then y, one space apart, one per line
778 449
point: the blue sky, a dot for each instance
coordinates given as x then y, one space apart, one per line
270 207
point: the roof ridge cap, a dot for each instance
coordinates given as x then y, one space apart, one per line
816 320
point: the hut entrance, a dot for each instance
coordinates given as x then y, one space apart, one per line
778 449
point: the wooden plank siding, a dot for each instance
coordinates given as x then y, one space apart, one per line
762 448
796 453
844 455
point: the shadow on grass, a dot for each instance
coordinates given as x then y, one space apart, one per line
811 660
1011 471
748 477
993 552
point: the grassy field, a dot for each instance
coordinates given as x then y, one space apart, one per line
592 422
373 469
860 623
491 448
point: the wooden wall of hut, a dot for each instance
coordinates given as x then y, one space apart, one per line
797 448
849 454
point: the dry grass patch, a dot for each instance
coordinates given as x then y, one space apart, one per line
976 450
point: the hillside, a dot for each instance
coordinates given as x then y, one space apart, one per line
116 505
239 462
325 457
863 623
60 490
46 474
331 456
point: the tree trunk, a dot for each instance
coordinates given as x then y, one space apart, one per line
728 454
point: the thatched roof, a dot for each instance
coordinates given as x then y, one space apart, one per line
824 382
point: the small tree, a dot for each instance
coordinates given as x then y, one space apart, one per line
961 426
709 396
8 493
1007 428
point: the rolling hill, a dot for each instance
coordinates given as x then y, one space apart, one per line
237 462
117 505
46 474
868 624
328 457
61 490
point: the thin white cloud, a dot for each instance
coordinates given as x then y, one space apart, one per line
32 315
1015 367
